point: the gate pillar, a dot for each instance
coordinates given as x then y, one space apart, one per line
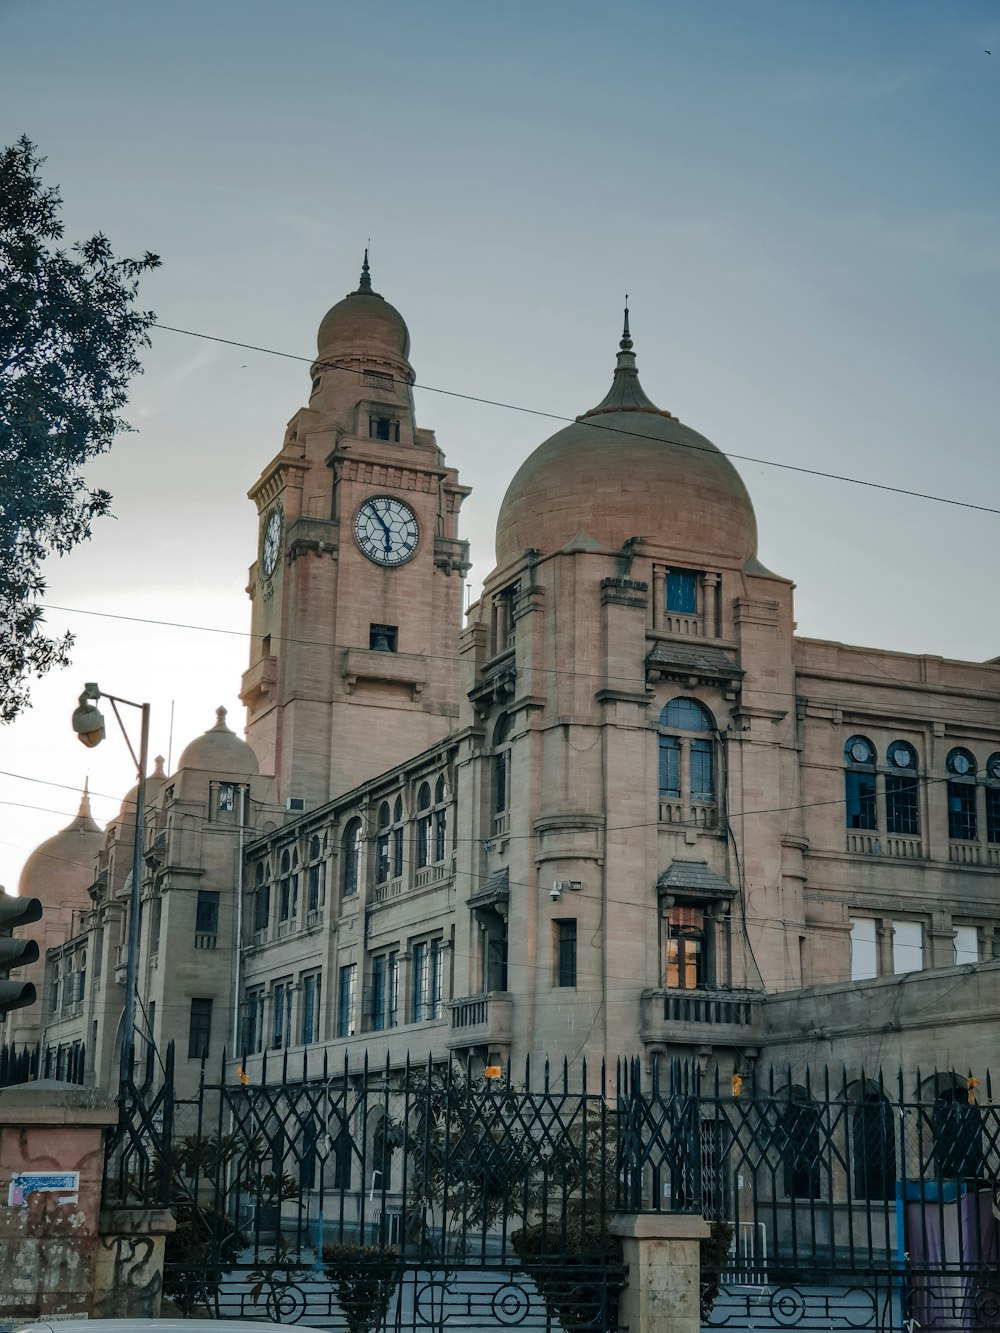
662 1254
51 1164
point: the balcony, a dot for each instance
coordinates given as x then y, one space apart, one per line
430 874
481 1020
697 1017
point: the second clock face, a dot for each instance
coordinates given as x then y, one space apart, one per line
272 542
386 530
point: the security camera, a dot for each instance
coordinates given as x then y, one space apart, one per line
87 720
555 893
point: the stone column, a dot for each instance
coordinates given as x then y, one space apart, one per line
661 1252
659 595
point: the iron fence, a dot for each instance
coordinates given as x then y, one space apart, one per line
426 1196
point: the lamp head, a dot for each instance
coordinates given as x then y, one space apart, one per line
88 722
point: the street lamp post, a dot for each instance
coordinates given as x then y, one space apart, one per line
88 724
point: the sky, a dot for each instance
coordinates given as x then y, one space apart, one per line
800 197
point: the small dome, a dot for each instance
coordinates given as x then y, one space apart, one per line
154 782
219 750
628 469
363 323
60 871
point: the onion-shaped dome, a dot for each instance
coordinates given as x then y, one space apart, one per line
220 750
628 469
60 870
364 324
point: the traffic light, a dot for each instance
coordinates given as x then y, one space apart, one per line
16 953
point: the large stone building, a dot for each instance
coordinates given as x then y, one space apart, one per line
622 810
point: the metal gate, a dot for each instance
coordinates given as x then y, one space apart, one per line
406 1198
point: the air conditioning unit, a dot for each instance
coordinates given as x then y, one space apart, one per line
295 803
567 885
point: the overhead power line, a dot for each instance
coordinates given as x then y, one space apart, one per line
594 425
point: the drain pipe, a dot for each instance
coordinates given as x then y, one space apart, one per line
238 951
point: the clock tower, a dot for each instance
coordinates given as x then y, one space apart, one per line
357 586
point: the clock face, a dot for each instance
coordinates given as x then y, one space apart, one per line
994 766
272 543
961 764
860 752
386 530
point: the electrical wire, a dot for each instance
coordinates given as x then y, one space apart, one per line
320 364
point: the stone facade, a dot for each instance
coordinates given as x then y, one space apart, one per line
622 809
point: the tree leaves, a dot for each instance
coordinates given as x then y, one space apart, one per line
69 340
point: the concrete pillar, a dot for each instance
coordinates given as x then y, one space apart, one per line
49 1228
662 1254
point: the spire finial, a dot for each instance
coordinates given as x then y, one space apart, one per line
85 799
626 342
366 277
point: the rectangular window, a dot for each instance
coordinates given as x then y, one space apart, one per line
437 976
392 988
670 768
423 841
907 946
962 811
346 1008
902 809
382 858
685 951
261 906
227 795
314 891
397 852
993 814
378 993
253 1023
310 1008
199 1029
566 952
859 799
864 948
440 834
420 982
281 1014
966 945
702 787
682 592
206 921
383 428
155 925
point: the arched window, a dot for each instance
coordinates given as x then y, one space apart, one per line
874 1146
397 838
382 841
288 886
860 758
962 822
351 854
423 825
261 898
501 773
687 762
440 821
316 877
902 790
992 791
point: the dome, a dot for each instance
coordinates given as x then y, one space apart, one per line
154 782
363 322
628 469
60 871
219 750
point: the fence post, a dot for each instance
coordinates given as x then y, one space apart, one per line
662 1254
